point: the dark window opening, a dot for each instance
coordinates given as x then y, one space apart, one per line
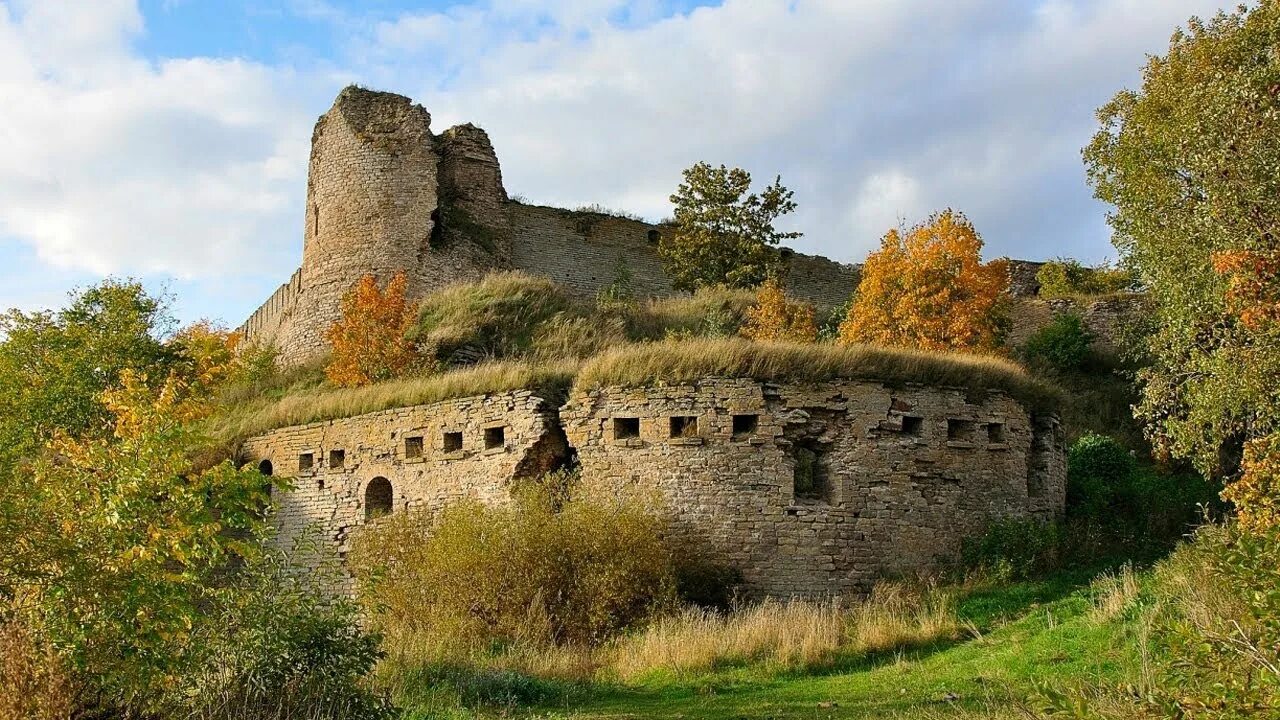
494 437
745 425
320 484
452 441
626 428
265 468
912 425
684 426
811 474
337 458
315 221
413 447
995 433
377 498
306 461
654 236
961 430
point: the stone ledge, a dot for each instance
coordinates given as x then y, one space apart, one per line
961 444
687 442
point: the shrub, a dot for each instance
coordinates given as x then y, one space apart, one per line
529 574
1064 345
1101 477
1219 629
497 316
287 646
369 341
1014 549
775 317
1065 277
707 584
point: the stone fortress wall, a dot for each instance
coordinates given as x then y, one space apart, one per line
385 195
806 490
345 472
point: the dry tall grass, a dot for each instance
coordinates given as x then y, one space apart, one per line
34 684
327 403
709 311
689 360
1114 592
791 635
498 314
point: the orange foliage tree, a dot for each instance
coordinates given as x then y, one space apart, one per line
1253 297
928 288
369 342
775 317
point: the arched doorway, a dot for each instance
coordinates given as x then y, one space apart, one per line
265 468
377 498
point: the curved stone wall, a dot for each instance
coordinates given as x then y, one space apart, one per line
806 490
822 489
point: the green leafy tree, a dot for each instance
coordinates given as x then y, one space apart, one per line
54 366
1189 163
724 234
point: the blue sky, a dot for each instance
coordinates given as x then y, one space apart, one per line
167 139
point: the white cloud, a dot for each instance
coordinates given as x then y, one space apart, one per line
871 111
983 104
116 164
886 200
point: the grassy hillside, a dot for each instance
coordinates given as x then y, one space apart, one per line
1011 640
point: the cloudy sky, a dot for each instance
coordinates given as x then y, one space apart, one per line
168 139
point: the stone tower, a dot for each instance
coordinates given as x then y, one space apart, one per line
385 196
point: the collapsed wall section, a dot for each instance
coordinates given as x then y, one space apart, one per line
821 489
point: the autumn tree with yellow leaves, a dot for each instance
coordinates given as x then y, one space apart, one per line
369 342
927 287
776 317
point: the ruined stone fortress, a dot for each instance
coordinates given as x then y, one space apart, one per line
803 489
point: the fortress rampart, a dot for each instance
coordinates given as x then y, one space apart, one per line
805 489
385 195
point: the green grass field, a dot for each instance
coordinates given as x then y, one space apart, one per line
1017 636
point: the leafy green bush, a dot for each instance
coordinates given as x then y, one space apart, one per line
1101 476
1065 277
1064 345
1014 549
287 646
541 572
1116 506
1218 626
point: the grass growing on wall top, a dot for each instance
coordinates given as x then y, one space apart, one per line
548 379
498 314
684 361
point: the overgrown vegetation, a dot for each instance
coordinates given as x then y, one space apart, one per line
137 581
1068 278
685 361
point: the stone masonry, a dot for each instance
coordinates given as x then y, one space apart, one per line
807 490
347 472
386 195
